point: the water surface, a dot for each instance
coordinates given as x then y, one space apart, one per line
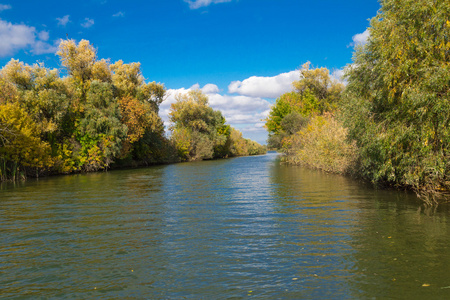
236 228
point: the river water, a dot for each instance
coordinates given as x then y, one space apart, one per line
225 229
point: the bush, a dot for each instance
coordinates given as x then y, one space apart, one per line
322 144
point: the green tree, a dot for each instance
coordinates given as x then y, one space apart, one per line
206 128
200 132
319 83
398 108
315 94
100 131
43 95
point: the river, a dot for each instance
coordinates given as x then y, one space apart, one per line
223 229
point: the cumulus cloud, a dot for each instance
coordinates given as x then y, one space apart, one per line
265 87
87 23
360 38
14 37
4 7
195 4
238 110
210 89
64 20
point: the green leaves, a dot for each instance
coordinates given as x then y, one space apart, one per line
398 95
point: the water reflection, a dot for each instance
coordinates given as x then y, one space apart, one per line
219 229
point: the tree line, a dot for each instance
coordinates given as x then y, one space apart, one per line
101 115
390 123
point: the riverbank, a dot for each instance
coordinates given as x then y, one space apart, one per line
389 120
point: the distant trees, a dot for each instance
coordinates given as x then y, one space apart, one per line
199 132
315 94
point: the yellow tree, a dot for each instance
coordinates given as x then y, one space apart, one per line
82 65
20 144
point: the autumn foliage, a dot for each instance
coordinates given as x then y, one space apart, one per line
100 115
96 116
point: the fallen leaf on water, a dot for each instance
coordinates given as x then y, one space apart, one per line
425 284
294 278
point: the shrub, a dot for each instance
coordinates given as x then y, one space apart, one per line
322 144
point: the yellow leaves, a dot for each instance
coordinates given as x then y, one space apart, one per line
22 142
101 71
79 61
77 58
322 145
8 92
18 73
136 116
127 77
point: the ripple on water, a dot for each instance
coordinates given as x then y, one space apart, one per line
218 229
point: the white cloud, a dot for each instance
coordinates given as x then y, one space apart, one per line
361 38
194 4
4 7
265 87
119 14
41 47
238 110
64 20
210 89
87 23
43 35
14 37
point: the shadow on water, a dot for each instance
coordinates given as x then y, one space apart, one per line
234 228
389 244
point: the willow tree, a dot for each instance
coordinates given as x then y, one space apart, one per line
398 108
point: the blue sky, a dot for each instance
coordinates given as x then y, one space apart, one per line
242 53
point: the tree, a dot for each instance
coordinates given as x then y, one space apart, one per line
128 81
100 131
200 132
20 144
315 94
96 115
42 93
319 83
139 118
82 66
398 108
206 127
